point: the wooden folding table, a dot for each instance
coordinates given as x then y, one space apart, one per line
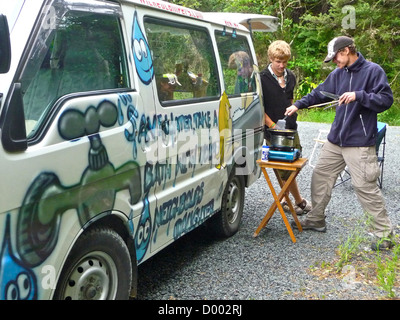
295 168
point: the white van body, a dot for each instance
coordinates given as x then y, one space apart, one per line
124 125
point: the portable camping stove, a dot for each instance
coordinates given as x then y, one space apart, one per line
287 154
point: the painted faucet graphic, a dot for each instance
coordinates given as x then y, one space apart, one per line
47 199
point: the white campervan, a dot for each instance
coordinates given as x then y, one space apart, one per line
123 126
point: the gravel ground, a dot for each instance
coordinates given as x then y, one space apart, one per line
271 267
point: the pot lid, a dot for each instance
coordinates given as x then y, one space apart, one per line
282 132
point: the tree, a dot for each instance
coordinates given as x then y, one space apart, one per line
308 25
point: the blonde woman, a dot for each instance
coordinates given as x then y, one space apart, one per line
278 84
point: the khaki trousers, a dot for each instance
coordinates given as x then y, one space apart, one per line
364 170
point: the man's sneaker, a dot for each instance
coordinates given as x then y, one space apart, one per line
382 244
303 207
306 224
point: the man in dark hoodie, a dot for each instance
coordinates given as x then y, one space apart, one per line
363 91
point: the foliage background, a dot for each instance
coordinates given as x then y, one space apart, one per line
308 26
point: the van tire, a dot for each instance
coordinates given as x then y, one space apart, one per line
98 268
226 222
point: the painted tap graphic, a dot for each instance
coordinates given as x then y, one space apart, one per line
47 199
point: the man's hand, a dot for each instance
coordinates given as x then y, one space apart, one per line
347 97
291 110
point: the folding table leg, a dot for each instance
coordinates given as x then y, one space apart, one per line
291 208
277 203
271 210
296 220
286 195
285 190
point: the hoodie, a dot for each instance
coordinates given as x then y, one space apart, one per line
355 124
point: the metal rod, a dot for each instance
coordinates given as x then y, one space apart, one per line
323 104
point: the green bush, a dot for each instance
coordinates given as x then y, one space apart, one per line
309 25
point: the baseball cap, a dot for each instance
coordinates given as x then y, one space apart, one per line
335 45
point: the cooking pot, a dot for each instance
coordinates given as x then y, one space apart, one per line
282 139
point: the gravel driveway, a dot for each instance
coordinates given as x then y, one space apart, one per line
271 267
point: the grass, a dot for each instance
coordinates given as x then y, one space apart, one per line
353 263
351 245
390 116
317 115
357 265
387 271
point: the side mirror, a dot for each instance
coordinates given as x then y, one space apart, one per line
5 46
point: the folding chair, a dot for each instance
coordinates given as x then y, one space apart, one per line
319 141
343 177
380 152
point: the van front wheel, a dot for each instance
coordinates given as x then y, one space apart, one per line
226 222
98 268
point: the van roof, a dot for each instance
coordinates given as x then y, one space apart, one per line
253 22
166 6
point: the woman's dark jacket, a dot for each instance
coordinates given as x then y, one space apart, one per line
276 99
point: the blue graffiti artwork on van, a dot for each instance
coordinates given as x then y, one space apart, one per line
144 130
19 283
141 53
186 208
132 114
143 232
47 198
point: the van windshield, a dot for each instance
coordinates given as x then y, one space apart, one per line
83 52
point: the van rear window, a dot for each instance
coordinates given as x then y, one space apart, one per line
237 64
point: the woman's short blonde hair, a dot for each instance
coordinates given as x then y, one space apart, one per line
279 49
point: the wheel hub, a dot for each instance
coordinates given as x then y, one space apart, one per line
233 202
90 280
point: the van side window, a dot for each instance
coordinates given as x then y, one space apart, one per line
83 53
237 64
184 63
